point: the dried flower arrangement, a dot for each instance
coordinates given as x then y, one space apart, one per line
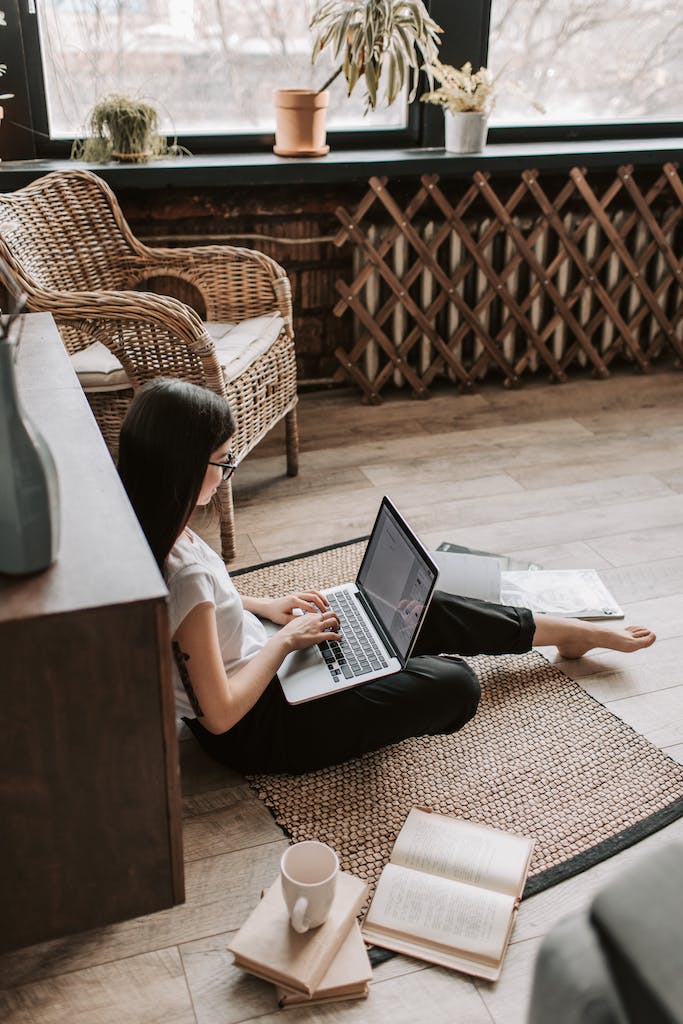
461 90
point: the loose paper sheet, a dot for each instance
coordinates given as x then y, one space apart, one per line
577 593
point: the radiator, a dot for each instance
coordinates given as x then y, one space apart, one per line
498 254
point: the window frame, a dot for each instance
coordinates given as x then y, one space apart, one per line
418 129
466 25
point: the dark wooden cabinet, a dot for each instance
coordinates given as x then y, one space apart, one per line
90 827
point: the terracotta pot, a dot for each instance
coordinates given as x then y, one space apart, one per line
300 116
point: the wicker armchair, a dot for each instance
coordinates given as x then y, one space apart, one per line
66 240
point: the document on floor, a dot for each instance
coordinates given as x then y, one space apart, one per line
568 593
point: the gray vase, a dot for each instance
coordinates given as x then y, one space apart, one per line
29 494
465 131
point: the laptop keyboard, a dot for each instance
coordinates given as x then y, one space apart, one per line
357 653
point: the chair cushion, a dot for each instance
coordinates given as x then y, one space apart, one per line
98 369
240 345
237 347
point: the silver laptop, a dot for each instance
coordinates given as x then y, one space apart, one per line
380 615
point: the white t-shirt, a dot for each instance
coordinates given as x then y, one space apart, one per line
194 573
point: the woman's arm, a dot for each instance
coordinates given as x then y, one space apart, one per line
219 700
281 609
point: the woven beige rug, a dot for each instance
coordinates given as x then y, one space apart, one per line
541 757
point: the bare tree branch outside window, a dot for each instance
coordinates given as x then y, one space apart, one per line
206 65
588 60
212 65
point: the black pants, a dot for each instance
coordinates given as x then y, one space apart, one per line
431 695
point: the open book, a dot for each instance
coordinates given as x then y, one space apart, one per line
449 893
569 593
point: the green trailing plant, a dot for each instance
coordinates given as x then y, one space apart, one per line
387 40
124 129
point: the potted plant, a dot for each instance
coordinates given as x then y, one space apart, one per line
383 42
467 99
125 130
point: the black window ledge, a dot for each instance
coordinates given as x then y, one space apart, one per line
356 165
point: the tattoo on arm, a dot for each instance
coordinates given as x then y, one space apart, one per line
181 660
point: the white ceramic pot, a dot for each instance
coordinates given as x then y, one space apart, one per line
465 131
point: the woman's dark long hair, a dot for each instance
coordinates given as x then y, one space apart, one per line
166 441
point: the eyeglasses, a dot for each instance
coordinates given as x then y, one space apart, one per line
228 467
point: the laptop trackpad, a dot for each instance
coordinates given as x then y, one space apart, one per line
309 658
298 661
303 674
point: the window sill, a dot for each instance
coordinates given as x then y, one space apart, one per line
354 165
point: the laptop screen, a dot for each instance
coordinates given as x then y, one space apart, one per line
397 578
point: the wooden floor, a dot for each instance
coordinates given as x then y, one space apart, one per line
587 474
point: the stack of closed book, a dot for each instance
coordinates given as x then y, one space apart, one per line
325 964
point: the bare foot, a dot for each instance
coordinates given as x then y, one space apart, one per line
580 637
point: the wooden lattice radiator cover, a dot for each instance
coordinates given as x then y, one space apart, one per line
485 281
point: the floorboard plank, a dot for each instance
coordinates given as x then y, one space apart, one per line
658 715
587 525
240 823
563 556
676 751
507 1000
406 443
514 521
617 675
146 989
641 547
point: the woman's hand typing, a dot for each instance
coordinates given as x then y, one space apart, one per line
309 629
221 700
282 610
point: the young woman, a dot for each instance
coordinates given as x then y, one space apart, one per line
174 452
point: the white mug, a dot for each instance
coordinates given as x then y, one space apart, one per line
308 872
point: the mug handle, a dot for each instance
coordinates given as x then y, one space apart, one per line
298 915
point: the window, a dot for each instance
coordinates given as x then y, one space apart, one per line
588 61
208 66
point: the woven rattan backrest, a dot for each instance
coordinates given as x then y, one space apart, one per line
66 232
